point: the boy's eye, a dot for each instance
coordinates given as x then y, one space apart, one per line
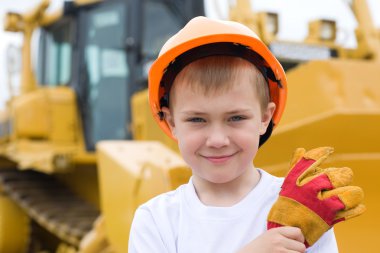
237 118
196 120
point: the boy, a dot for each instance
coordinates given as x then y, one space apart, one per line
219 92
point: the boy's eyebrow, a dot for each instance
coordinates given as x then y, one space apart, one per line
190 112
235 111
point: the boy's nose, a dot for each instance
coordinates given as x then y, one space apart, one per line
217 138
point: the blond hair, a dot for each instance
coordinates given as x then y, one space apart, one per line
214 74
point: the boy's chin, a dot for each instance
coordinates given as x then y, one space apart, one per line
220 179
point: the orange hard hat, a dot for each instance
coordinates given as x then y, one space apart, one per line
202 37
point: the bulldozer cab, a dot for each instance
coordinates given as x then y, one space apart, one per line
92 57
103 51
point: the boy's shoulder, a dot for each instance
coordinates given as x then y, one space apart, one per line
269 186
269 179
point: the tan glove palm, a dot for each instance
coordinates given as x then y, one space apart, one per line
313 198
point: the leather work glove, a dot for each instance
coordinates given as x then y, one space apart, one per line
314 199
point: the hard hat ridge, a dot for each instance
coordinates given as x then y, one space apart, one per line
200 26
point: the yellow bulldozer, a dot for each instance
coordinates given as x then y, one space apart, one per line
79 149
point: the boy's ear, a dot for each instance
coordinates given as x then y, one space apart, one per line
168 117
266 117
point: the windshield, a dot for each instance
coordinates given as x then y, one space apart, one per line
112 70
154 36
106 73
54 63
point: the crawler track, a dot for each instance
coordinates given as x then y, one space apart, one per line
50 203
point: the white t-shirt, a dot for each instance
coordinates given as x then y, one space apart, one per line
178 222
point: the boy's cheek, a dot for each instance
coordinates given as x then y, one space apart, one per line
174 132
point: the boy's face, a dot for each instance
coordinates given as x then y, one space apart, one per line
218 135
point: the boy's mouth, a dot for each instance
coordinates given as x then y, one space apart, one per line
219 158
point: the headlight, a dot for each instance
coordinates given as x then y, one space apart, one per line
327 30
13 22
272 23
322 30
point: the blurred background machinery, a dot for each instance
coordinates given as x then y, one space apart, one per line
79 147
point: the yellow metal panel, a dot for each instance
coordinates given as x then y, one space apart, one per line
132 172
47 135
87 189
64 123
31 115
14 227
361 234
27 154
324 86
329 104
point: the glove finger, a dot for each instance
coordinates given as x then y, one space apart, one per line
297 156
351 196
319 155
350 213
339 176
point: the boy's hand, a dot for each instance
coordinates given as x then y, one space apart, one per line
314 199
282 239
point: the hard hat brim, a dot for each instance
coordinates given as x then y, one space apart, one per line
158 68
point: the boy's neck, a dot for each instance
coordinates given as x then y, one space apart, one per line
226 194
